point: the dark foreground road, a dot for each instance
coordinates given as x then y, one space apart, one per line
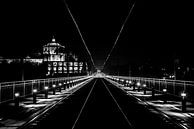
101 105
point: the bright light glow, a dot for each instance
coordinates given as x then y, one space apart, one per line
46 87
130 82
34 90
183 94
54 86
17 94
138 84
164 90
144 85
60 84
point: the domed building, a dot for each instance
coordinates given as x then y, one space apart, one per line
62 62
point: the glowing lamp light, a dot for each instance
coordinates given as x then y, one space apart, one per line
127 81
183 94
64 83
164 90
34 90
144 85
54 86
138 84
17 94
130 82
46 87
60 84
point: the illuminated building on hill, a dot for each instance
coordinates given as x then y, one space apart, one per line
62 62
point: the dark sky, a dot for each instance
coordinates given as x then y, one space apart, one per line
156 29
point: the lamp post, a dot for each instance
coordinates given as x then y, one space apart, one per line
60 85
165 95
144 89
138 86
54 86
34 95
46 91
17 95
183 95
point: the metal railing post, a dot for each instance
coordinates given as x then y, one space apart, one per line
13 91
0 92
24 88
174 83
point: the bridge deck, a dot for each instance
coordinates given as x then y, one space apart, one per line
99 104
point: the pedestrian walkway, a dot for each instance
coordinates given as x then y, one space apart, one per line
11 117
169 105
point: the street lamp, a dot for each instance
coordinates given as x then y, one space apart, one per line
165 97
54 86
144 87
183 95
17 95
138 86
46 88
34 95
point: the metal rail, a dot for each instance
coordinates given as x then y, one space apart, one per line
173 87
25 88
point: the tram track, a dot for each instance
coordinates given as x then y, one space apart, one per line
100 104
33 121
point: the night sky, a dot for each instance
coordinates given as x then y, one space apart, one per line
157 30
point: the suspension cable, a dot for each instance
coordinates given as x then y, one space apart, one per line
79 33
131 9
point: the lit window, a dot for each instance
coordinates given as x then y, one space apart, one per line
65 64
75 68
54 63
75 63
60 63
65 68
70 68
81 64
60 68
49 68
70 63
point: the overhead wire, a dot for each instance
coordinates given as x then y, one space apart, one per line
79 33
123 25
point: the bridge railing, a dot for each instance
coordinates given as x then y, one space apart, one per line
25 88
173 87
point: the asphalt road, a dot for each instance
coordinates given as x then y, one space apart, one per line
101 105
